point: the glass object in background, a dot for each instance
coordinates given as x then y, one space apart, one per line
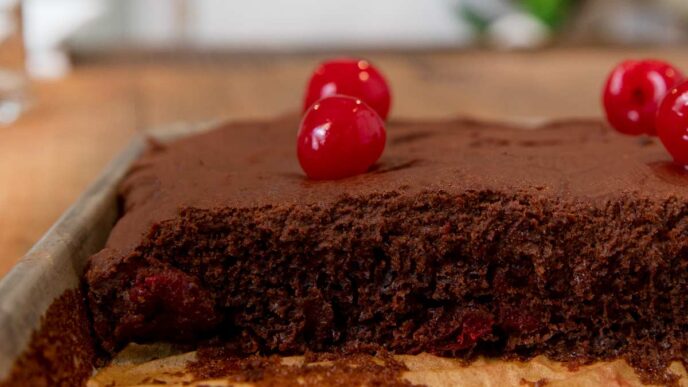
13 82
517 24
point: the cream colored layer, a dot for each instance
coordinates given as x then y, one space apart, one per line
156 365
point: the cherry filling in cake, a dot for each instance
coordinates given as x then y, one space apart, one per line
465 239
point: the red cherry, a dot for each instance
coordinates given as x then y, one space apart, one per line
475 325
339 136
354 77
633 92
672 123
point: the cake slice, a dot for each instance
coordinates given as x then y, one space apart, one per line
467 238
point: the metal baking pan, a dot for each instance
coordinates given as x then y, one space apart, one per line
56 261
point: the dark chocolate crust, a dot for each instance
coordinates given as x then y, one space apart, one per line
569 240
321 370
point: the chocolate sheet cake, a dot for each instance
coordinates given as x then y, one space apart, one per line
466 238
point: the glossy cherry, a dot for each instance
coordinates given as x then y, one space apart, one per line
672 123
633 93
353 77
339 136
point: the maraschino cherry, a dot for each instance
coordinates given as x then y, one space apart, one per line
672 123
634 91
353 77
339 136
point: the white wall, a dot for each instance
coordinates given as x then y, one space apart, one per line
325 23
279 24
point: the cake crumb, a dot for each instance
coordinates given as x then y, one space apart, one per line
61 352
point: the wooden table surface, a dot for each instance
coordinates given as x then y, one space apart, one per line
75 125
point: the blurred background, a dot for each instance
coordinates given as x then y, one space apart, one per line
55 28
80 78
